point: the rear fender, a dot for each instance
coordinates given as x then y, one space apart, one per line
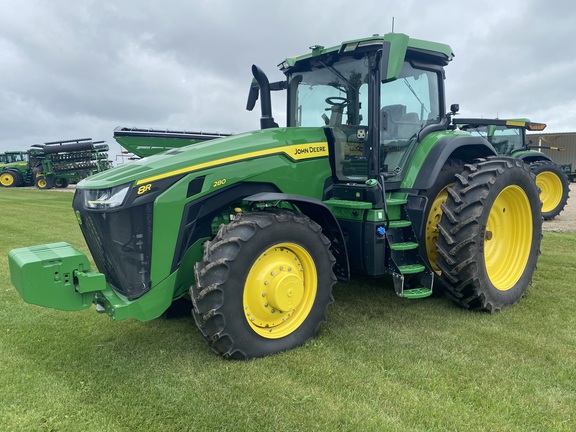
531 156
465 148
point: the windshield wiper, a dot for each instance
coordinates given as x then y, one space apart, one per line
422 106
339 75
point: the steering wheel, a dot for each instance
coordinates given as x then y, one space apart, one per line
337 100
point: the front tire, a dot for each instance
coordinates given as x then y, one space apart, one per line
263 285
43 182
11 178
490 234
554 187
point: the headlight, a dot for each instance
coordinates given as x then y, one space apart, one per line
105 198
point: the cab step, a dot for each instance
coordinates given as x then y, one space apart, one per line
399 224
411 268
403 246
417 293
396 201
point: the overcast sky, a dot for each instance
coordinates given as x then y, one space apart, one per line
79 68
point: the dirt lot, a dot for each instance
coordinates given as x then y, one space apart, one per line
565 221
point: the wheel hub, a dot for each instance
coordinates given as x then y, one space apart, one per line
550 190
280 290
285 291
6 179
508 238
432 233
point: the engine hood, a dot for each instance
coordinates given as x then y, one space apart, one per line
294 143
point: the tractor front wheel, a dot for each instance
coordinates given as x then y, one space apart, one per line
263 285
11 178
42 182
490 234
554 187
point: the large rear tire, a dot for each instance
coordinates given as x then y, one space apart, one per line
554 187
435 197
263 285
61 183
11 178
490 234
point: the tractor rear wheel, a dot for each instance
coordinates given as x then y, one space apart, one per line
61 183
554 187
263 285
490 234
436 196
11 178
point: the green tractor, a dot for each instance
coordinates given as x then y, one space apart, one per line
509 139
14 169
256 228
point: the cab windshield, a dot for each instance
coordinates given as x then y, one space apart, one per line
16 157
331 95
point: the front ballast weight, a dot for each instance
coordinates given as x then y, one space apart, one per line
490 234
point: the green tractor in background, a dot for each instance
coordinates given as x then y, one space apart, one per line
509 139
14 169
256 228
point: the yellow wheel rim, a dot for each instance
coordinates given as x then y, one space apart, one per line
508 238
280 290
550 190
41 183
434 217
6 179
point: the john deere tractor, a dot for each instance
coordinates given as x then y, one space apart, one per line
509 138
14 169
256 228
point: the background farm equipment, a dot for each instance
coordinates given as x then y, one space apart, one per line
147 142
509 139
55 164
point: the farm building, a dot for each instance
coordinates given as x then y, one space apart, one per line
565 141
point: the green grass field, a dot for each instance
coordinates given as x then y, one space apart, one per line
380 363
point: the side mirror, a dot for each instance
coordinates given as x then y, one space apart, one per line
253 95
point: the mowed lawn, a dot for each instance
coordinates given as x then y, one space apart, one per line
380 363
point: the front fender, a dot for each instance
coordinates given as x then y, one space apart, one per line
321 214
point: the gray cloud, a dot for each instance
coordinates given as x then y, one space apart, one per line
77 69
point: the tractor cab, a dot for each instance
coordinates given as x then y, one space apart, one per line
373 126
507 136
14 156
374 108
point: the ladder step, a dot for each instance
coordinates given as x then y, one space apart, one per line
417 293
396 201
411 268
403 246
399 224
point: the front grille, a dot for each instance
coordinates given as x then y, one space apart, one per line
121 243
